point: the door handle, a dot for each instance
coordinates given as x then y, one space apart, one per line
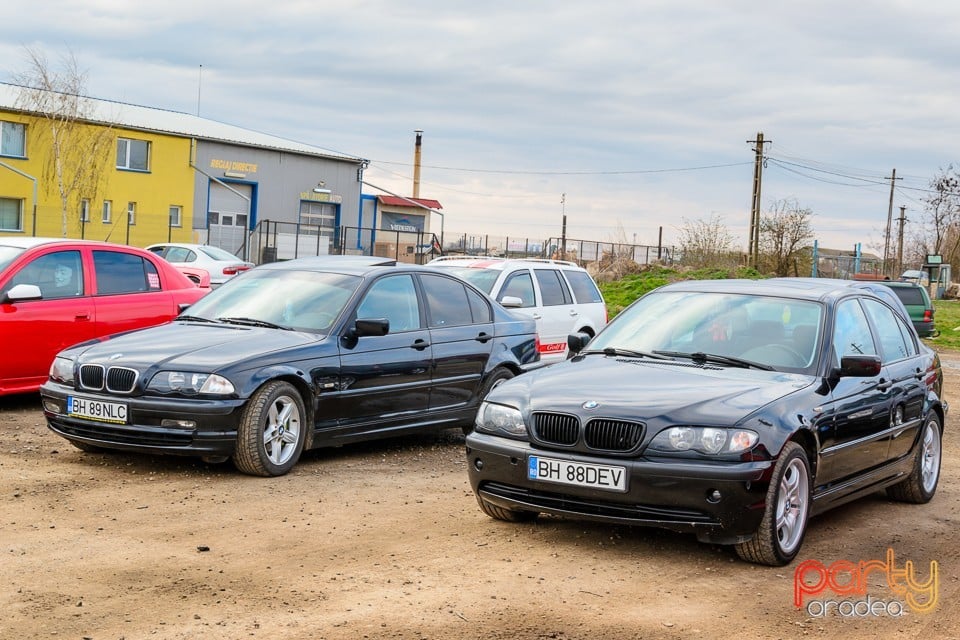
82 316
483 337
883 385
420 344
573 312
537 316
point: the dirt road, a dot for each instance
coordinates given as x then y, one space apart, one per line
386 541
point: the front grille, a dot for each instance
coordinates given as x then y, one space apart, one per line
117 379
612 435
91 376
556 428
121 379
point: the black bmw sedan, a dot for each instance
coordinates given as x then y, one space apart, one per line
731 409
290 356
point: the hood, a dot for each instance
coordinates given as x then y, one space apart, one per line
677 392
190 345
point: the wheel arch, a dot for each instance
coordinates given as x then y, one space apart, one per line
808 441
303 387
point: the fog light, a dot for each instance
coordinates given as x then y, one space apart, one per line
714 497
52 406
478 464
178 424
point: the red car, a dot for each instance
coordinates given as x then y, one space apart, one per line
58 292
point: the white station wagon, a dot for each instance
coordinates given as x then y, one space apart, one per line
560 295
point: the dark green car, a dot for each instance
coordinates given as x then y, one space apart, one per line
917 301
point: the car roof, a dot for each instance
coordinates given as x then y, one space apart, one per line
28 242
497 262
357 265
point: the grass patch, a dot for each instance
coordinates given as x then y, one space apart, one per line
946 318
620 293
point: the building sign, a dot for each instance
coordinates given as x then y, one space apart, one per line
401 222
233 165
321 197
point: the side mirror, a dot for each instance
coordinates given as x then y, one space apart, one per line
371 327
859 366
577 341
511 302
21 292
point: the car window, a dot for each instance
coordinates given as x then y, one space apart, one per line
119 272
180 254
584 289
394 298
519 285
851 336
892 345
910 295
447 302
219 254
479 307
58 274
553 288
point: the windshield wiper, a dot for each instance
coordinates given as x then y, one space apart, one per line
626 353
253 322
718 359
193 318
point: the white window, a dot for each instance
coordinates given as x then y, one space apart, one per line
131 213
13 139
133 154
11 214
176 215
107 209
85 210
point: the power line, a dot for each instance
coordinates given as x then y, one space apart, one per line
574 173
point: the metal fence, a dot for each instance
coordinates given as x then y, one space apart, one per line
271 241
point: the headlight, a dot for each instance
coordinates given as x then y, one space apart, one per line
190 383
708 440
62 370
501 420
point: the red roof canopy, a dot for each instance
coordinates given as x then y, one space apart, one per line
397 201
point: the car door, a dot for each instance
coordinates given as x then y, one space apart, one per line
384 380
129 293
34 331
905 371
559 314
855 433
461 332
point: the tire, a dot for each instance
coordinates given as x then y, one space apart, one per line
780 534
272 431
920 486
507 515
496 377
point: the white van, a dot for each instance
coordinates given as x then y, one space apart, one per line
561 296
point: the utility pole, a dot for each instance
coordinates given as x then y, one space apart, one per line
903 220
886 245
753 245
563 229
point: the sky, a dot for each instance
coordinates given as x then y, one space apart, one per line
630 119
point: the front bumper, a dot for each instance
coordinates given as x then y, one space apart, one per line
214 432
721 502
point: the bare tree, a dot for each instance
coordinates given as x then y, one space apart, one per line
707 243
785 238
940 233
79 153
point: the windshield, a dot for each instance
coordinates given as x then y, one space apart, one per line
8 254
303 300
482 279
779 332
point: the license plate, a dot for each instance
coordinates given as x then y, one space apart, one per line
579 474
90 409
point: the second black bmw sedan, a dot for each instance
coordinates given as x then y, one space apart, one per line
731 409
290 356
